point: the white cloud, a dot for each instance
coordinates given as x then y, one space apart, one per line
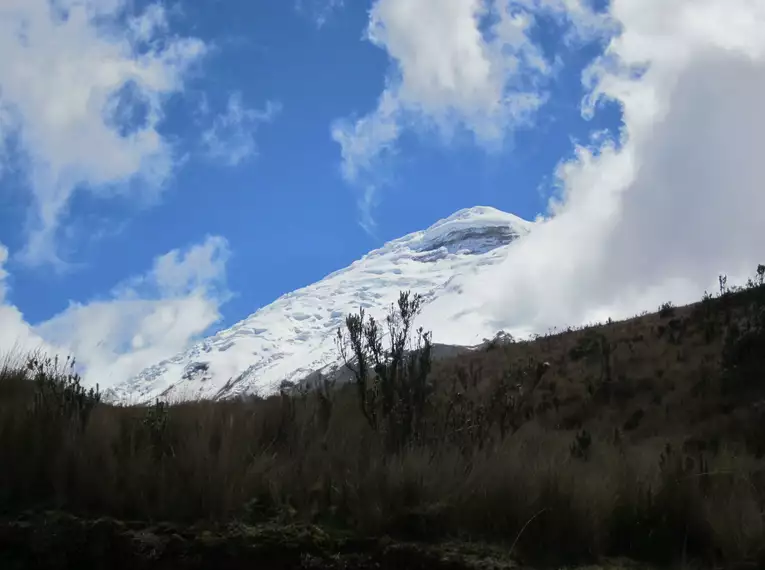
3 272
231 137
679 201
82 87
457 65
16 335
145 320
320 11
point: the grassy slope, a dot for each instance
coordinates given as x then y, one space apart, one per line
637 442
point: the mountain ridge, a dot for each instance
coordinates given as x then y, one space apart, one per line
293 337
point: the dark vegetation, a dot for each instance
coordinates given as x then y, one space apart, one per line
642 439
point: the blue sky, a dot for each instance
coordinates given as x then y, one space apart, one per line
287 213
224 152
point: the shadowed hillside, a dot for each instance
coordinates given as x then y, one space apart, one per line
642 439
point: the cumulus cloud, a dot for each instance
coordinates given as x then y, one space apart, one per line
678 200
15 333
82 88
231 136
144 320
466 65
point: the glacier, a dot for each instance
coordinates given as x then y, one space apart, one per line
294 336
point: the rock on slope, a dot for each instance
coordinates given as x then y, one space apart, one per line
295 335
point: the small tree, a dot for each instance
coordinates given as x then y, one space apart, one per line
363 337
723 282
391 381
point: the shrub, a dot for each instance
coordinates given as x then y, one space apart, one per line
743 356
59 394
392 383
666 310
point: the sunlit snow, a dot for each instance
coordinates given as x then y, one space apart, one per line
295 335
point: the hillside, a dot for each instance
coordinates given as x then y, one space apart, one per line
640 439
691 371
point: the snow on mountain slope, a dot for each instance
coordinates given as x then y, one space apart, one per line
295 335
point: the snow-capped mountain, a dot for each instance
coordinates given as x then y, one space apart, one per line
295 335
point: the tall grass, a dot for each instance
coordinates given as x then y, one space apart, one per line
491 459
273 459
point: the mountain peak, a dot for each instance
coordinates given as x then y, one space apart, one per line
473 230
294 336
481 213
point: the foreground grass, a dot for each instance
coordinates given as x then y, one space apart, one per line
55 540
640 439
